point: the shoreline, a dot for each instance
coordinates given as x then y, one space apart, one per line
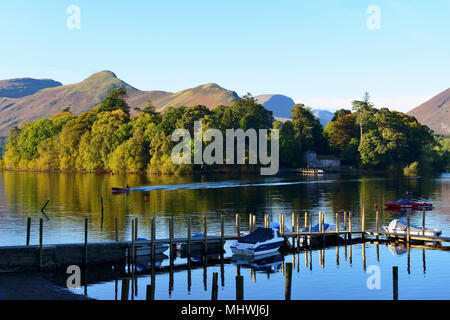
33 286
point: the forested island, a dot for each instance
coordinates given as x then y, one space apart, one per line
109 139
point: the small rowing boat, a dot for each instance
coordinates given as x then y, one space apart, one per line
121 190
405 204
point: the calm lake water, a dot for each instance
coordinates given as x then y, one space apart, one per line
74 197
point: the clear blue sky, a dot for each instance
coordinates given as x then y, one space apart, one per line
317 52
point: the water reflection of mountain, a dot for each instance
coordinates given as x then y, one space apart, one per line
74 197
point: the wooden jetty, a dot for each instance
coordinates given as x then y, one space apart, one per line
50 257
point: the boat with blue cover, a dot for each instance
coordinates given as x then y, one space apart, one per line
262 241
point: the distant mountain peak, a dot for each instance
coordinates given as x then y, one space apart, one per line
22 87
435 113
87 94
102 75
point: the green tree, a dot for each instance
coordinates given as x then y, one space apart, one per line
115 100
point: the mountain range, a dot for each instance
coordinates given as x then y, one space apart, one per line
281 107
18 88
435 113
85 95
26 99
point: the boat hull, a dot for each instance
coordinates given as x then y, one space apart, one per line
251 251
411 206
120 190
147 250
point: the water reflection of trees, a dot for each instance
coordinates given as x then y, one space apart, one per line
76 196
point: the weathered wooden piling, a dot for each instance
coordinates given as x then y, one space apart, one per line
136 223
423 222
377 222
125 289
395 282
408 227
153 237
215 287
322 227
337 223
363 222
293 221
131 254
117 229
288 284
86 226
222 231
28 231
101 204
238 228
41 234
345 224
171 239
350 224
364 255
205 235
189 238
239 288
148 293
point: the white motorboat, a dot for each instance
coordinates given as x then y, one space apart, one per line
259 242
146 249
400 226
213 244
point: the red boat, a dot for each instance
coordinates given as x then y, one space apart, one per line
121 190
405 204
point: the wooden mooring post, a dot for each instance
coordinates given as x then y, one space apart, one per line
205 235
238 228
239 288
125 289
215 287
189 238
408 227
350 225
153 248
288 284
423 222
86 226
222 231
395 282
117 229
363 221
171 240
131 251
377 222
28 231
41 234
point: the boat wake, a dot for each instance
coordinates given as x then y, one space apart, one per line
224 184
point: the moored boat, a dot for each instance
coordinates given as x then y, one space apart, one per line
146 249
259 242
121 190
213 245
405 204
400 226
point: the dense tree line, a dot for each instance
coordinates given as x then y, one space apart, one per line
108 138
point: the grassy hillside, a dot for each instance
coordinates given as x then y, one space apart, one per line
83 96
18 88
435 113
